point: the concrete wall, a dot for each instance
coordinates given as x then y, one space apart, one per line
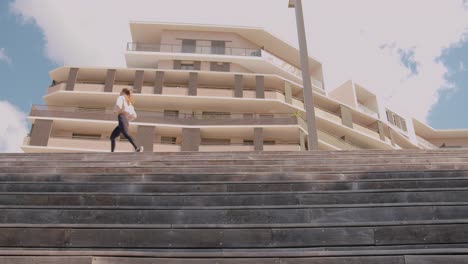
345 94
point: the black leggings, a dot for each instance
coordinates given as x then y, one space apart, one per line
121 128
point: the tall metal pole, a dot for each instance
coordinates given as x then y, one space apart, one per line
307 82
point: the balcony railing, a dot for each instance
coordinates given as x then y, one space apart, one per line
367 110
174 48
155 117
288 67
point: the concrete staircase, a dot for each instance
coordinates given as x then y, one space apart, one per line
386 207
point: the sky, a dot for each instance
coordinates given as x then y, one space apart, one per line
412 53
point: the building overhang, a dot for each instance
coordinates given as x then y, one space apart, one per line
150 32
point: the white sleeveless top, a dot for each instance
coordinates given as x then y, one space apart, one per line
129 110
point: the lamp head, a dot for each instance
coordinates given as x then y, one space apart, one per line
292 4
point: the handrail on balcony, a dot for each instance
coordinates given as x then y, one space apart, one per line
146 113
177 48
347 143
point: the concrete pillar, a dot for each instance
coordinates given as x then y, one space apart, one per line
110 79
392 137
191 139
287 92
260 86
177 64
138 83
40 133
381 130
72 77
159 82
197 65
346 116
258 138
238 86
302 140
145 136
193 83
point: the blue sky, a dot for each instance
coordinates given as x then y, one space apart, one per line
409 62
25 78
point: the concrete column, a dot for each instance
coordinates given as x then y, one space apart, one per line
287 92
392 137
302 137
197 65
72 77
177 64
258 138
41 132
110 79
191 139
138 83
260 89
145 136
193 83
381 130
346 116
238 86
159 82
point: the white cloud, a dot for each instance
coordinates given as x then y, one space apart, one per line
363 40
461 67
13 128
4 56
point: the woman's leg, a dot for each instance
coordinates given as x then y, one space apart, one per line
113 136
123 124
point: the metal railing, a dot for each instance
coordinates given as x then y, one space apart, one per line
175 48
425 143
367 110
197 118
248 52
336 141
288 67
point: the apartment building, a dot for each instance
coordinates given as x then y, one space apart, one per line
217 88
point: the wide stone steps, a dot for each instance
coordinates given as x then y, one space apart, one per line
449 195
408 206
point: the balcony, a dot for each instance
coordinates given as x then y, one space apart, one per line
209 50
150 117
173 48
73 144
180 90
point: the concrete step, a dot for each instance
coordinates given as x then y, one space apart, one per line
228 155
399 259
231 187
209 216
300 160
258 238
234 169
234 199
231 178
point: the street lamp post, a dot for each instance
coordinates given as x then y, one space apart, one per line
312 138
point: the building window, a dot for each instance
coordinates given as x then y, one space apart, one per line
396 120
269 142
168 140
213 115
220 66
171 113
218 47
189 45
248 142
86 136
215 142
